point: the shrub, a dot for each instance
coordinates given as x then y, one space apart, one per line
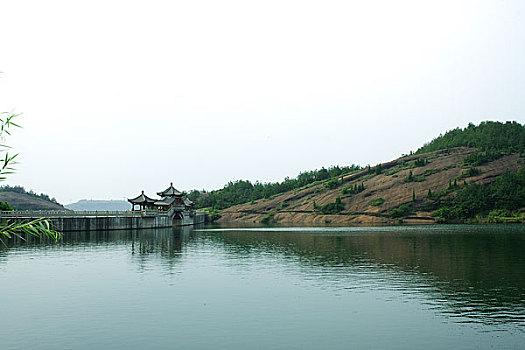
377 202
378 169
429 172
330 208
473 172
479 158
412 178
420 162
331 184
470 172
355 189
402 211
284 205
268 219
213 214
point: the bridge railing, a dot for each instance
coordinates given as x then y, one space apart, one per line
66 213
32 214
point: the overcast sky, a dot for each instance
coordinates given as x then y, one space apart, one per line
120 96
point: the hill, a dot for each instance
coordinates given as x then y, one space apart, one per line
24 201
494 137
100 205
465 175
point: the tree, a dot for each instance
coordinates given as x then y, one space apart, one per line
4 206
36 227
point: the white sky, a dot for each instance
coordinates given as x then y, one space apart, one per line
120 96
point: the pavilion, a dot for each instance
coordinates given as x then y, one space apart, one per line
170 198
143 201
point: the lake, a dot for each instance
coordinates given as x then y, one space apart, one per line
404 287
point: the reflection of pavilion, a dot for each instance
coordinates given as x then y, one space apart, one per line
171 198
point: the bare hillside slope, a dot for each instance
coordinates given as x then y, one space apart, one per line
22 201
371 196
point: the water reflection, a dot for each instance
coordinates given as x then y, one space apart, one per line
166 244
143 245
470 273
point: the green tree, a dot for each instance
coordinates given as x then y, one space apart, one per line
506 193
410 177
4 206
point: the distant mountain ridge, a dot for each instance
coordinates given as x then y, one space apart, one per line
100 205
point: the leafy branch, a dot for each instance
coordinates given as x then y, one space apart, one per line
8 228
36 228
7 161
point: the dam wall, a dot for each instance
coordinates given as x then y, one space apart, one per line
100 223
104 221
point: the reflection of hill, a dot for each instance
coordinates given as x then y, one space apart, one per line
476 272
468 271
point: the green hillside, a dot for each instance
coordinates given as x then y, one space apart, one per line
488 136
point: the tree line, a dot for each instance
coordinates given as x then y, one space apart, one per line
489 136
244 191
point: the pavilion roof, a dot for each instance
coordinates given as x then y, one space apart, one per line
188 202
142 199
170 191
166 201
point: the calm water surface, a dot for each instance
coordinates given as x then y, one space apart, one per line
434 287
